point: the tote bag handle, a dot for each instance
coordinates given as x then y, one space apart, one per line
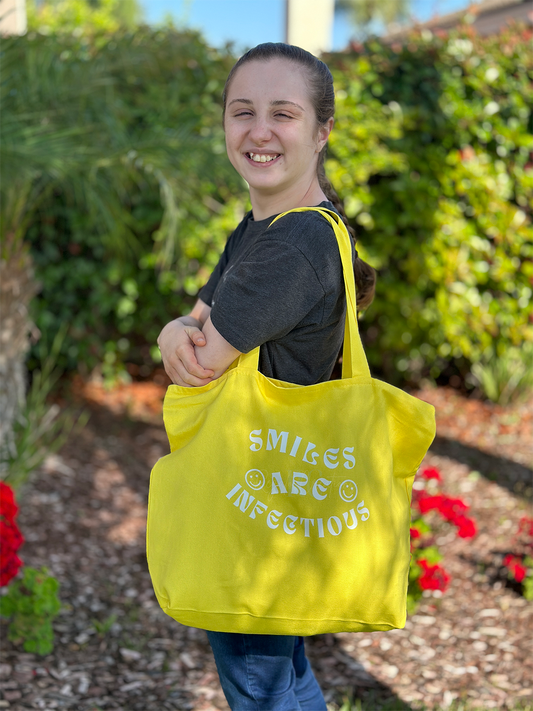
354 362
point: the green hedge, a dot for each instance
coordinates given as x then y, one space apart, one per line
433 154
128 248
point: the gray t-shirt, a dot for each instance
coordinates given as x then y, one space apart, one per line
282 288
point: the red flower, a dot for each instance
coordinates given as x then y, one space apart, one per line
429 503
515 567
415 533
431 473
519 571
8 507
450 509
526 526
433 577
9 569
10 537
467 527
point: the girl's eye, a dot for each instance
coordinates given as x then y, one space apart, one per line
244 113
285 116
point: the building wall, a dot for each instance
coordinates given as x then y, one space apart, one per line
12 17
310 24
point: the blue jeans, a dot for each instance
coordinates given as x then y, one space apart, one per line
265 672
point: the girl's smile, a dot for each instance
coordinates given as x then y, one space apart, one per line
262 157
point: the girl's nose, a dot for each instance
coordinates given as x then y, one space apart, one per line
260 131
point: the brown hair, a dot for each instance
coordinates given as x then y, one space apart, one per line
322 97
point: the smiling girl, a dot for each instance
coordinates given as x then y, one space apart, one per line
280 288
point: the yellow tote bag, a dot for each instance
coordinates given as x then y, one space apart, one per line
285 509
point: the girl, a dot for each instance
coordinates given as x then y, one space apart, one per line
281 288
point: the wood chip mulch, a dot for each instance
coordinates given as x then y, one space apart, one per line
83 516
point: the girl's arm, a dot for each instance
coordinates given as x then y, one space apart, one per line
193 351
177 342
216 354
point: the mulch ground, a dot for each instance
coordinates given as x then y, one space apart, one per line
83 516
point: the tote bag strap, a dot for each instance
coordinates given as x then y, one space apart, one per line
354 362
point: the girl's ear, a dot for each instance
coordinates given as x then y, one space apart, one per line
323 134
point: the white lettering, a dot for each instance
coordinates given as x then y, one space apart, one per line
295 446
307 522
320 526
338 524
273 518
256 439
244 500
273 439
362 511
289 525
350 459
278 487
320 488
259 508
314 455
354 519
330 458
299 480
232 493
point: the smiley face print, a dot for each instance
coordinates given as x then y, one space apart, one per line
348 490
255 479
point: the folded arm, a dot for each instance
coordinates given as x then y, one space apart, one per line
193 351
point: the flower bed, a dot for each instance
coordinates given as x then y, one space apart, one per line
426 573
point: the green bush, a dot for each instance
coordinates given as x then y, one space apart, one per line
433 154
123 240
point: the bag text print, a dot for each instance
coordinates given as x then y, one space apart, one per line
333 525
307 452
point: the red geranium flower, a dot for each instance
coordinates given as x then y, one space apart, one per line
515 566
526 526
10 537
431 473
429 503
467 527
519 571
8 507
9 568
433 577
450 509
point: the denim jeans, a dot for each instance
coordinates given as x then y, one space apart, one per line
265 672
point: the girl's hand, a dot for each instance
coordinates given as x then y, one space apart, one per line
176 342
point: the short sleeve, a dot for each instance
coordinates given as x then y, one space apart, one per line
265 295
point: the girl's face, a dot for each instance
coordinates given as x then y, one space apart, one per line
272 137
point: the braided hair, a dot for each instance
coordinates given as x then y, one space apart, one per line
322 97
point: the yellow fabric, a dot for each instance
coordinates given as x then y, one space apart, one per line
285 509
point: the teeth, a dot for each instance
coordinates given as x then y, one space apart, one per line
261 157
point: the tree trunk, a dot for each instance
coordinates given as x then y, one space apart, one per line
17 288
